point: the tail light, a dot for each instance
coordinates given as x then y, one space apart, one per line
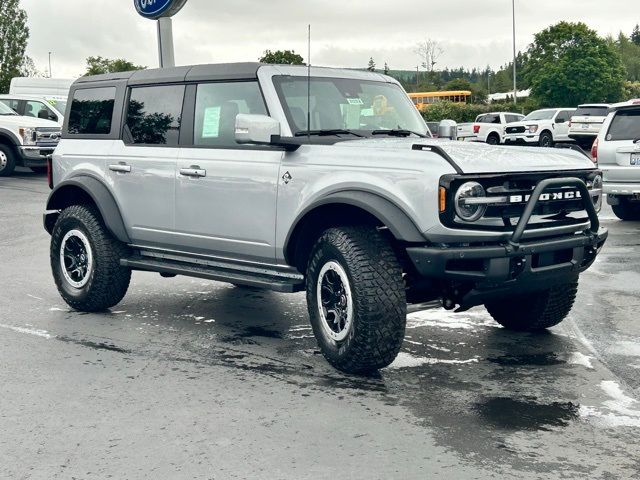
569 123
476 129
50 171
594 152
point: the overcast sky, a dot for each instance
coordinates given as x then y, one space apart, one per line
473 33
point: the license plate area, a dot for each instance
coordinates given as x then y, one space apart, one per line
635 159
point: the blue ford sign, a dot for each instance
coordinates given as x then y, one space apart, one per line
155 9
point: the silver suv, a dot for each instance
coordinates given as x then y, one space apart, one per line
262 176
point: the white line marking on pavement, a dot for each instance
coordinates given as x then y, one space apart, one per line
28 331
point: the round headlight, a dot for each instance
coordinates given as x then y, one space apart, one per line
465 208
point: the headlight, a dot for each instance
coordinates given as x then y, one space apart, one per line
533 128
28 135
466 209
596 192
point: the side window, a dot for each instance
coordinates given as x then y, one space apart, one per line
12 104
218 105
154 114
37 109
92 111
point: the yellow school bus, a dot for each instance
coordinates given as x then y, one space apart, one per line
422 100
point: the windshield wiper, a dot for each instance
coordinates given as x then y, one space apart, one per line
327 132
398 132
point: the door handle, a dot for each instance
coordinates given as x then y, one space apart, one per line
193 171
120 168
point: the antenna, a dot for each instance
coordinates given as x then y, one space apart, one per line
309 85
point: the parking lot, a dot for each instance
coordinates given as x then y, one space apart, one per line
194 379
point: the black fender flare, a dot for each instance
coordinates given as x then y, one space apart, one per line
10 137
100 195
392 216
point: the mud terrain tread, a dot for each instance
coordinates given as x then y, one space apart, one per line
110 281
536 311
380 307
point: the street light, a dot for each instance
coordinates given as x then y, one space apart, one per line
515 86
50 74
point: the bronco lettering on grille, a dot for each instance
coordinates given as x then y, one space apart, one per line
545 197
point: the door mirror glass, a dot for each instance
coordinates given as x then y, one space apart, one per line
257 129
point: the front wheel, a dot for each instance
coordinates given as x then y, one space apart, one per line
7 161
546 140
85 261
356 299
535 311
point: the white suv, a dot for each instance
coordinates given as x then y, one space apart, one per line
617 151
541 127
587 122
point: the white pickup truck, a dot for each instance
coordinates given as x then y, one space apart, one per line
541 127
488 127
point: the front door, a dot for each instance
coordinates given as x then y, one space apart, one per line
561 125
226 193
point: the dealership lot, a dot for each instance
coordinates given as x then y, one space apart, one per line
194 379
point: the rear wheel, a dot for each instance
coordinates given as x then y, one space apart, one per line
535 311
626 210
493 139
7 160
356 299
546 139
85 261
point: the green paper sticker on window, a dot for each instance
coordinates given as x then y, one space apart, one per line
355 101
211 123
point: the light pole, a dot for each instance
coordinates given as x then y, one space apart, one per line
50 74
515 86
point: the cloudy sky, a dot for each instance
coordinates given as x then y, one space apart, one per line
473 33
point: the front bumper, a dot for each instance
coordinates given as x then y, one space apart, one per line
480 273
523 138
34 156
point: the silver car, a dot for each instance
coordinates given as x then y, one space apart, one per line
325 181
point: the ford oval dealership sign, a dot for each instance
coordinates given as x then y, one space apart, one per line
154 9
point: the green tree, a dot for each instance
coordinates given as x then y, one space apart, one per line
630 55
372 65
282 57
386 68
635 36
14 35
100 65
569 64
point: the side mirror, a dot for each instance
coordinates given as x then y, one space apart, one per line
257 129
448 129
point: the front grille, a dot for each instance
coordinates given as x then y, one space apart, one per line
47 137
515 130
558 207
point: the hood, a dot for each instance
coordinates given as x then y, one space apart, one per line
18 121
474 157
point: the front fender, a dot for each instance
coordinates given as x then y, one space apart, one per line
70 191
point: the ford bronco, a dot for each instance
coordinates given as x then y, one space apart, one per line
321 180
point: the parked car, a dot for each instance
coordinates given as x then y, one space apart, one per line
25 141
617 151
47 108
214 171
488 127
586 122
541 127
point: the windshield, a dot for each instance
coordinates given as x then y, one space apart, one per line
60 105
540 115
625 126
591 112
350 105
5 110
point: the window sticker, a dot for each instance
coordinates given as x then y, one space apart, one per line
211 123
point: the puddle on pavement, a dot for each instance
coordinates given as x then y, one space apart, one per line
511 414
534 359
94 345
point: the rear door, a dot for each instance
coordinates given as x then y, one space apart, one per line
619 153
226 193
142 165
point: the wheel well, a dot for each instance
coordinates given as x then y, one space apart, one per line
65 197
494 134
311 226
546 131
6 140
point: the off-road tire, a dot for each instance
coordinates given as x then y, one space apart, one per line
39 170
9 164
626 211
535 311
546 140
378 296
108 282
493 139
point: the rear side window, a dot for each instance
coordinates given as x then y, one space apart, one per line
92 111
489 118
218 105
591 112
625 126
154 115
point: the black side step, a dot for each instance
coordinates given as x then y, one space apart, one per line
275 283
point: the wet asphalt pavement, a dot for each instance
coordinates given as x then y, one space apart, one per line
189 379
